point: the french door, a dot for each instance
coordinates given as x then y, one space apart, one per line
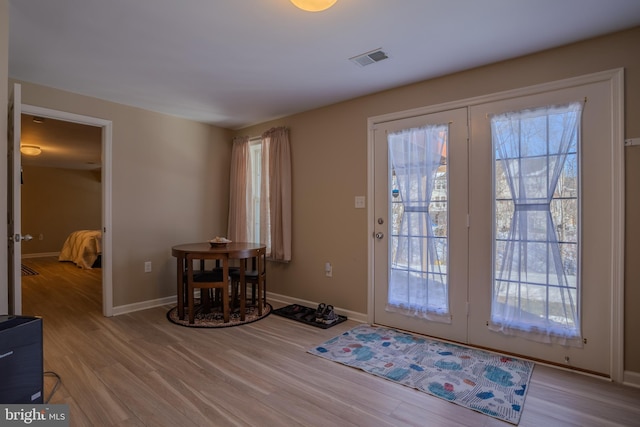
420 237
438 257
590 260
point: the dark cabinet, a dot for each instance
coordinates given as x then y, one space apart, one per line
21 360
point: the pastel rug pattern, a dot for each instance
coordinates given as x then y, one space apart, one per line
486 382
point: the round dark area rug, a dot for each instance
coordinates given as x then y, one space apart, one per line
214 319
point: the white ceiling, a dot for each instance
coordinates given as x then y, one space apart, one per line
235 63
65 145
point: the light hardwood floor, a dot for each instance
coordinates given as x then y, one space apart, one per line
139 369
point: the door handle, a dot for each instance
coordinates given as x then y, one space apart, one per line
378 235
17 237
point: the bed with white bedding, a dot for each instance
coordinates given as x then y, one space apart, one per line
82 247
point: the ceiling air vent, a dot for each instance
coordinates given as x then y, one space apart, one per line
369 58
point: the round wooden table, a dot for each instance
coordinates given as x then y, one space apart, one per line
204 250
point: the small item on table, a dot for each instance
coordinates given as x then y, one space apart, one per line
219 241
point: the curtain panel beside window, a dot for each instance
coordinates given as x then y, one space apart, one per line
276 180
238 227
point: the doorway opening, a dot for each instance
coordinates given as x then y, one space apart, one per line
89 160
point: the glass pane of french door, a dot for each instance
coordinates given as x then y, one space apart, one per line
536 216
420 209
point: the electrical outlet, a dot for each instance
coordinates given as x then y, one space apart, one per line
328 270
41 236
147 266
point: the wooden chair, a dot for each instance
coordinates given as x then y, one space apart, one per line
215 279
256 277
196 273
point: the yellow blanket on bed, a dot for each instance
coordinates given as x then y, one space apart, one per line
82 248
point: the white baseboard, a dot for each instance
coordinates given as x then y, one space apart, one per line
130 308
631 379
285 300
271 297
41 255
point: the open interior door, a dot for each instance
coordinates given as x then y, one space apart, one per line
13 202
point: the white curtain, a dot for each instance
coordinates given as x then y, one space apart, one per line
418 284
535 290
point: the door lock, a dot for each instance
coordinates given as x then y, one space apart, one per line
378 235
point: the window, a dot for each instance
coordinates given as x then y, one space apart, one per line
536 222
255 180
418 280
260 192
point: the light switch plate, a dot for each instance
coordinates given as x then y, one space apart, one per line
360 202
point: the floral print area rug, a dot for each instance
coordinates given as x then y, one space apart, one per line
486 382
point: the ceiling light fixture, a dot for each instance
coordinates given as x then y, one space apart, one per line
30 150
314 5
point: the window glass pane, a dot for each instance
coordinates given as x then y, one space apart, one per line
536 221
256 179
419 222
502 184
561 299
536 262
568 181
504 217
533 137
533 179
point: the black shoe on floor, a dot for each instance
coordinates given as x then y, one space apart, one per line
320 311
329 316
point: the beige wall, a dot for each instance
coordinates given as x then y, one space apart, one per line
329 149
169 186
56 202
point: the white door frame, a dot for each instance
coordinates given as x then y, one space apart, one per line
107 129
615 78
